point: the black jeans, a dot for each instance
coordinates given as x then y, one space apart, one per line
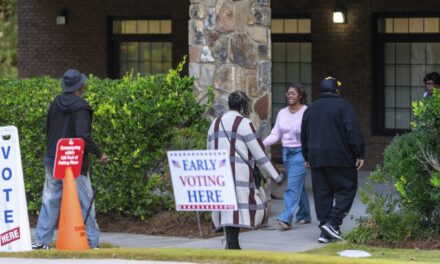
334 189
232 237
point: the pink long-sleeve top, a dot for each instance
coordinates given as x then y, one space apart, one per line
287 128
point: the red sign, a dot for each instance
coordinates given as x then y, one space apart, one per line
10 236
69 154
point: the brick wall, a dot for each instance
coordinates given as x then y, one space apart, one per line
48 49
342 50
345 51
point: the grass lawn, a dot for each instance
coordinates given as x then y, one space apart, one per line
323 255
403 255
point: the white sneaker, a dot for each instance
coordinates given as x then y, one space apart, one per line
323 238
37 246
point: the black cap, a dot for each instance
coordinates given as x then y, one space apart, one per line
329 85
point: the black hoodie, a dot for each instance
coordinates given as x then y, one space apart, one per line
70 116
330 133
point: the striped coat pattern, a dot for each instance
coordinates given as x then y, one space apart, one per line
243 139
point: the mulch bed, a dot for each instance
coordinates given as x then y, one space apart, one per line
166 223
433 244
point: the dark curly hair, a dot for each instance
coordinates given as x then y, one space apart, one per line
432 76
240 102
301 92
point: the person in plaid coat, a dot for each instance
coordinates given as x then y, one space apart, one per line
235 132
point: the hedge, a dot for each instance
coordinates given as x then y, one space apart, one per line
411 168
136 119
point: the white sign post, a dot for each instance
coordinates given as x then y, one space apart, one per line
202 180
15 234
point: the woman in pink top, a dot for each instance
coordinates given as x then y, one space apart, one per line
287 129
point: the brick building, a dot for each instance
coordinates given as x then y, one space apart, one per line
380 53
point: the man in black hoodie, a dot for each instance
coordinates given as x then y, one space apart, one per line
333 147
69 116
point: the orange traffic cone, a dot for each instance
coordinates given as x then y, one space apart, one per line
71 231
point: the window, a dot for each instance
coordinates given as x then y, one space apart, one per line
409 25
145 57
142 27
409 47
290 26
291 58
141 46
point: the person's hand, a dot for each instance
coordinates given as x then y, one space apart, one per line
359 164
307 165
103 159
280 179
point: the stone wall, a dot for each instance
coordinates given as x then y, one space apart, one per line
228 42
229 48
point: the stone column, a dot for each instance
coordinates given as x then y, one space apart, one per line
229 48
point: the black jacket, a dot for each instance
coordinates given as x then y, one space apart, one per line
330 133
70 116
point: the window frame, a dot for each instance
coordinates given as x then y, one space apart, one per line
378 65
291 37
115 40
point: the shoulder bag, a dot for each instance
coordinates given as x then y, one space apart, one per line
258 177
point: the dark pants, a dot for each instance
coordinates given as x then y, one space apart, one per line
232 237
334 189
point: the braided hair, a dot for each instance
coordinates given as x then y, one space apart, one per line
240 102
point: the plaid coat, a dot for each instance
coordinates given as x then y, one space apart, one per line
242 135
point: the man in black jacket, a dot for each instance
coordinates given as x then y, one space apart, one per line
69 116
333 147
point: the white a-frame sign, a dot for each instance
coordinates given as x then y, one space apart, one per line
15 234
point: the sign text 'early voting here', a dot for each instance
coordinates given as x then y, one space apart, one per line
202 180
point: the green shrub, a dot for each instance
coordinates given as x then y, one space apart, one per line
427 113
8 46
136 119
189 138
411 165
387 221
362 233
403 166
24 105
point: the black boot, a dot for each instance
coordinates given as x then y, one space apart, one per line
232 237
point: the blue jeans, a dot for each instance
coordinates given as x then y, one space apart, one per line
50 208
295 196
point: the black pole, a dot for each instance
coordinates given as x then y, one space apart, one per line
94 194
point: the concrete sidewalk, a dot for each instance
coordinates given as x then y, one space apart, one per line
299 238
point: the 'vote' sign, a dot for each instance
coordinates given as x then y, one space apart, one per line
69 154
202 180
14 222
